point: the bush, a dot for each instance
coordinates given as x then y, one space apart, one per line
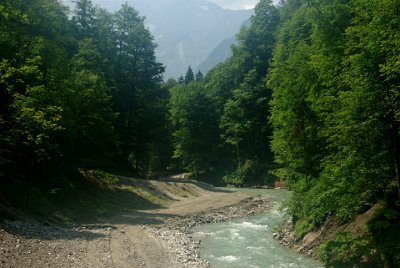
251 172
244 173
347 250
101 177
385 230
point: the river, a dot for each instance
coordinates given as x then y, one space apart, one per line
248 242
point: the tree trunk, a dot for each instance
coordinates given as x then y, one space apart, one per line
396 152
395 135
305 156
238 155
397 168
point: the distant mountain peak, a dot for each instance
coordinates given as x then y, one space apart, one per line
186 31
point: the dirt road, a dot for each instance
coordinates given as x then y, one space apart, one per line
128 240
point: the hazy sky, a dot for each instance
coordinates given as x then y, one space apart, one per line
237 4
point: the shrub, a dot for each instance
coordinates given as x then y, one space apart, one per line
101 177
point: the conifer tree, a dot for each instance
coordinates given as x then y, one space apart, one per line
199 76
189 76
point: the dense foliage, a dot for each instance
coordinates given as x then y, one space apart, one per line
231 105
78 91
326 74
335 115
310 95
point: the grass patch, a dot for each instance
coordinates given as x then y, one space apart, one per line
84 196
101 177
301 228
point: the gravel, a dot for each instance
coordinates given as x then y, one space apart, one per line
175 233
33 244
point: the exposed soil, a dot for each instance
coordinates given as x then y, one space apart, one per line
312 240
146 238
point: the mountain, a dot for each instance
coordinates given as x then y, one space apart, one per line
236 4
186 31
219 54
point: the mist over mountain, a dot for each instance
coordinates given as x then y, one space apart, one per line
219 54
186 31
236 4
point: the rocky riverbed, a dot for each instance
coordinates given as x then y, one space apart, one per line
122 244
175 232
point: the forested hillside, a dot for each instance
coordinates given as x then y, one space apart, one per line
310 96
231 108
335 117
78 92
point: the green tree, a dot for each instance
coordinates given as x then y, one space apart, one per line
194 125
372 71
181 80
189 76
84 18
292 79
243 121
199 76
138 79
334 106
87 114
31 120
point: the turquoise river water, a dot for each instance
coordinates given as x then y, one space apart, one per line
248 242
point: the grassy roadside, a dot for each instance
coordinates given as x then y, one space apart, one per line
84 196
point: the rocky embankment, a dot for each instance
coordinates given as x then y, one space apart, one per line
310 243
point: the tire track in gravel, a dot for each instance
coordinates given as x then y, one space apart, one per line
98 250
120 241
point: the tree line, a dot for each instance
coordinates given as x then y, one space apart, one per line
310 95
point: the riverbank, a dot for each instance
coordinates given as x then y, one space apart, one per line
175 233
142 238
356 229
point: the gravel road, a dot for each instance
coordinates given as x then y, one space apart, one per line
148 238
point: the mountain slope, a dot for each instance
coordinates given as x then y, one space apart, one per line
186 31
219 54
